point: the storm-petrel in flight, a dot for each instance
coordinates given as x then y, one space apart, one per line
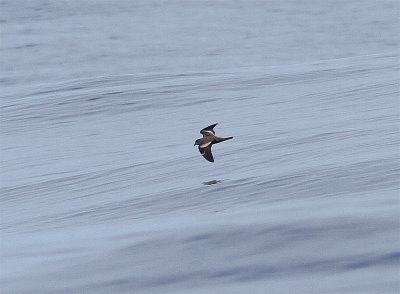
207 141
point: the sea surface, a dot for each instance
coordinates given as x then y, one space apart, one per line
102 190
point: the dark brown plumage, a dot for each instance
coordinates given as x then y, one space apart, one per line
207 141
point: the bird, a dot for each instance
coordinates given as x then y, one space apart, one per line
207 141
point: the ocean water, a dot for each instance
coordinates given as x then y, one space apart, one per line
102 190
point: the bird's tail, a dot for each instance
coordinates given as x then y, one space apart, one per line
218 140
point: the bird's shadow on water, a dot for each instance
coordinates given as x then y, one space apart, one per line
213 182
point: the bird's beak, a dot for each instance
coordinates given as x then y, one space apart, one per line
194 144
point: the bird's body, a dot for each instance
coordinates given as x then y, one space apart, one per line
207 141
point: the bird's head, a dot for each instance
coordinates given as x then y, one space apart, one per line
197 142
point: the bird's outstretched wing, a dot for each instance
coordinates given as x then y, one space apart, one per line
208 131
206 152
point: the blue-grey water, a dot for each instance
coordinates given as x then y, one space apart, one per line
102 189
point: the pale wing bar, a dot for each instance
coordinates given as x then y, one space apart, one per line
208 131
206 152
